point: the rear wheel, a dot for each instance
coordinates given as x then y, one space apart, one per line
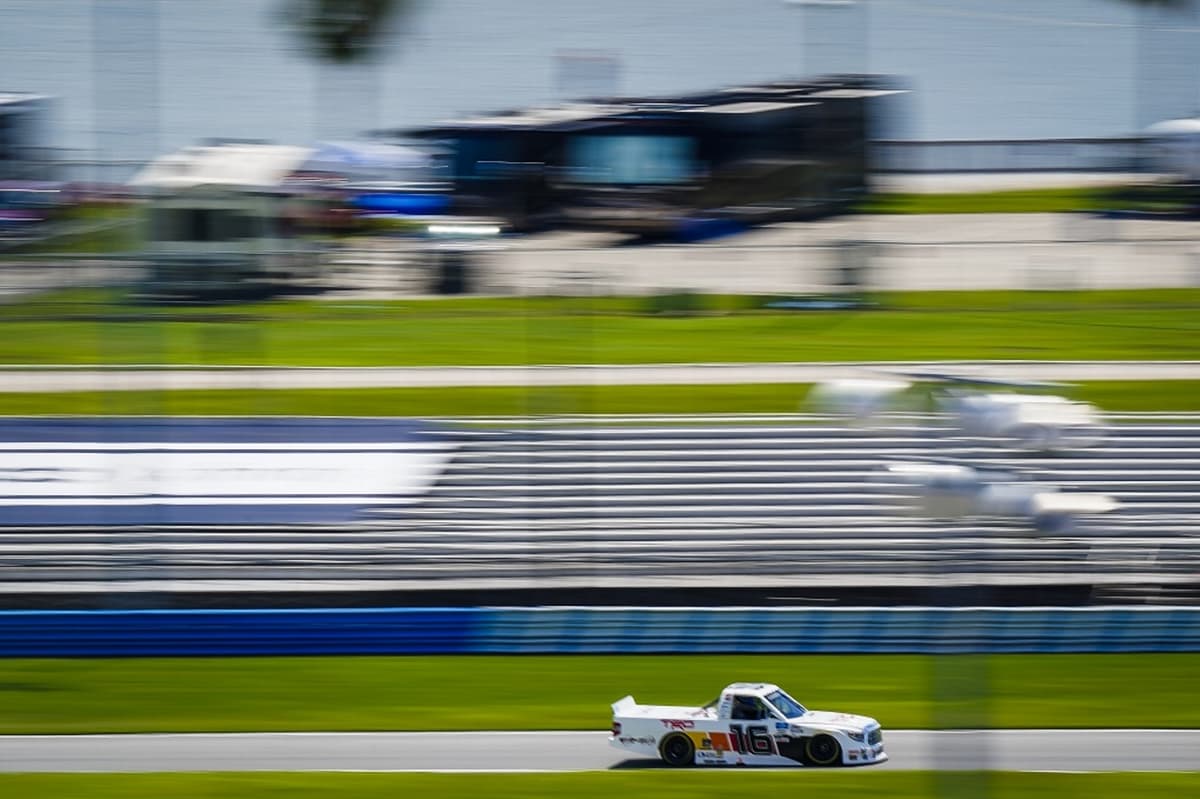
677 750
823 750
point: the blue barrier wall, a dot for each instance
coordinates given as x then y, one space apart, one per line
596 630
235 632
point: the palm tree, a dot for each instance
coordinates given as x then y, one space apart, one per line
346 39
342 31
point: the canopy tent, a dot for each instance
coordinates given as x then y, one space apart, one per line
248 166
363 160
270 165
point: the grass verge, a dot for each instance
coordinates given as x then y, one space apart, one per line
603 785
1135 197
90 228
1017 201
73 328
574 692
1117 396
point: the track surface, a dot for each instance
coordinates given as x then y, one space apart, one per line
1015 750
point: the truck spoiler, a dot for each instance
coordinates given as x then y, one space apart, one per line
623 705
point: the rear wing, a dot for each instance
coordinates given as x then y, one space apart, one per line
622 706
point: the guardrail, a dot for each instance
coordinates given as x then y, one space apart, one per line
593 630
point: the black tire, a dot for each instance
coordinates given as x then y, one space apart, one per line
677 750
1054 523
823 750
1035 438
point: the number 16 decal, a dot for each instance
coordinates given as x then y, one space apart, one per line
754 739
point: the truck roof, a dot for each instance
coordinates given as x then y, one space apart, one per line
752 687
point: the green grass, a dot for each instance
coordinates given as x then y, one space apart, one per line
114 304
1033 201
94 327
604 785
1119 396
118 237
90 228
1029 325
1115 395
103 210
1024 201
574 692
1106 299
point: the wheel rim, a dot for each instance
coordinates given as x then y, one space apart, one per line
823 750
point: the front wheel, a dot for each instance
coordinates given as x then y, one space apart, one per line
678 750
823 750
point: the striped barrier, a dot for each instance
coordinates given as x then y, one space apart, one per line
834 630
596 630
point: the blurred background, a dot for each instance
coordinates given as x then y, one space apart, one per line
791 337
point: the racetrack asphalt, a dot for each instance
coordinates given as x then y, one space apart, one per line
63 379
1008 750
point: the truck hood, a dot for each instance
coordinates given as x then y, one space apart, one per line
836 721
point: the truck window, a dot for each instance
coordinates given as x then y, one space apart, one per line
748 708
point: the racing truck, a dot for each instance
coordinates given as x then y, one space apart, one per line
747 724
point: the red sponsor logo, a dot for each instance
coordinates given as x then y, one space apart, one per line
678 724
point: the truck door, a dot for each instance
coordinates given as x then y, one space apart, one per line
751 727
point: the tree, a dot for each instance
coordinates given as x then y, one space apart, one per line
342 31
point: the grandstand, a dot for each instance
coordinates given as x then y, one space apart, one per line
782 506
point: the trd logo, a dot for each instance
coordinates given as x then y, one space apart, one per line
678 724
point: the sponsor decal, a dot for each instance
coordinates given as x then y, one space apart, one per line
706 743
678 724
647 741
781 725
710 757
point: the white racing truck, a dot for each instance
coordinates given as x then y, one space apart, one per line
748 724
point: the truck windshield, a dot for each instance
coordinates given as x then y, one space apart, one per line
789 707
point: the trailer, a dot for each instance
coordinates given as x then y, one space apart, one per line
669 166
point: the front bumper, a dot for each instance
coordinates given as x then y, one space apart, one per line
866 754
